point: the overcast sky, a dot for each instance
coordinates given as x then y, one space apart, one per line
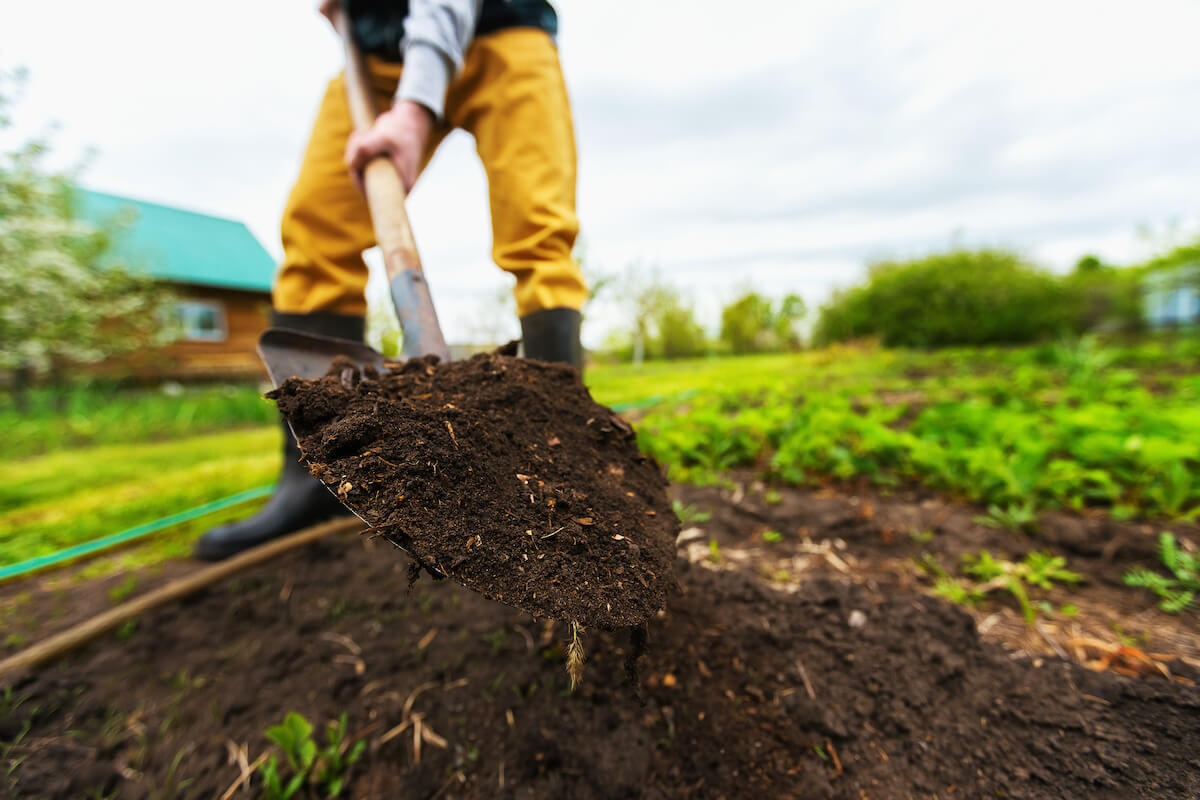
779 144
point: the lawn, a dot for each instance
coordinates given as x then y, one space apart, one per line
1017 429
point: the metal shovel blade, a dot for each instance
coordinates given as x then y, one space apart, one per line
290 354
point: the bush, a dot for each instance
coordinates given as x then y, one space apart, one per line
1104 298
961 297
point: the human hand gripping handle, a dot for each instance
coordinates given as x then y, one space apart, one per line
379 174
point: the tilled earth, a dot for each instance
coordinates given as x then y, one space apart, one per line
822 683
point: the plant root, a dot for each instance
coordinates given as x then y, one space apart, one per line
575 655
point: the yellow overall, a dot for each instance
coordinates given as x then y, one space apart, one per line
511 97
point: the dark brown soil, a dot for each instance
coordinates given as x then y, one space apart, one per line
830 689
885 537
501 473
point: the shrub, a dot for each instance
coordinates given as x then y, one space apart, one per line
962 297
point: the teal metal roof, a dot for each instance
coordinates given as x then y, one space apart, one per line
183 246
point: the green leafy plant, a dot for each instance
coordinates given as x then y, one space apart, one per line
689 513
988 574
1035 569
327 766
333 761
127 629
772 536
120 592
714 551
1176 591
1016 517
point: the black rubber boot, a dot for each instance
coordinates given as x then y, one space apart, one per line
300 500
553 335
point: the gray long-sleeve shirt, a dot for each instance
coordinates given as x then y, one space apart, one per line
436 35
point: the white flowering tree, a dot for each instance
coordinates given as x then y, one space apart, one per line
65 298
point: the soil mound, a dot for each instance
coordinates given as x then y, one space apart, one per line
501 473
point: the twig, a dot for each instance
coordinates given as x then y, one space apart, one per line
245 776
344 641
837 762
456 776
417 725
412 698
807 683
1037 626
396 731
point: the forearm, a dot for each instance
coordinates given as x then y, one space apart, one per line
436 36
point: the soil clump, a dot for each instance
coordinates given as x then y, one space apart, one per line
501 473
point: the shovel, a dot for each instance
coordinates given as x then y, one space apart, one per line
288 353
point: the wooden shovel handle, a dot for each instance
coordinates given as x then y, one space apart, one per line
385 199
384 188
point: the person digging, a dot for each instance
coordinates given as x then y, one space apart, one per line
491 68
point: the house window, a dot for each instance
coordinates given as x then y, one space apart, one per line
201 321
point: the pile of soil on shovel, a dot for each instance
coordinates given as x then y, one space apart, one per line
501 473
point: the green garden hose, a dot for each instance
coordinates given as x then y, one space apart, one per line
136 532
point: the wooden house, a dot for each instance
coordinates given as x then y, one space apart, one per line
220 273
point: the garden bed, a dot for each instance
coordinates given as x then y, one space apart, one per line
812 664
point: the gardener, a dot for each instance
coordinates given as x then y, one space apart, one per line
489 67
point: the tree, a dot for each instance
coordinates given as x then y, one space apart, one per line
65 298
662 322
746 324
792 311
679 334
752 323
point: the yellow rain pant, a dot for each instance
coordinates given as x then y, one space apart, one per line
511 97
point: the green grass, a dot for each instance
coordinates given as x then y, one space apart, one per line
54 501
105 415
622 383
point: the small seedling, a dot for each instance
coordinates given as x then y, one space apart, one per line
127 629
326 767
171 786
689 514
1021 518
774 537
1036 569
772 497
118 594
714 551
1176 591
496 639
